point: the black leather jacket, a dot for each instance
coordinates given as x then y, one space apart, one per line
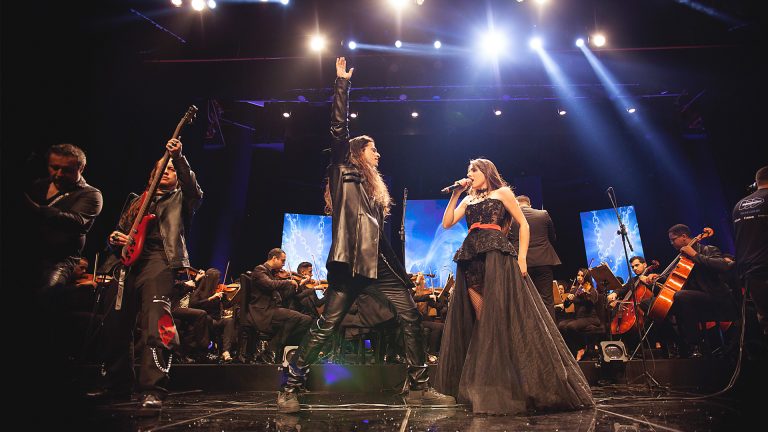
356 220
174 214
357 238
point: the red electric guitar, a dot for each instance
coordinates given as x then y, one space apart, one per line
138 232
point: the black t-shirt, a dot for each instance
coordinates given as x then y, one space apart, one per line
750 222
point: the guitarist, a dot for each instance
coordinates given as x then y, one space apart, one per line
149 283
704 297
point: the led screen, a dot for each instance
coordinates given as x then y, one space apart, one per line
307 238
428 247
603 244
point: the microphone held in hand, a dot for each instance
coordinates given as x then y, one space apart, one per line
459 184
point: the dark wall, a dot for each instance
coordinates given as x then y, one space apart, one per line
87 77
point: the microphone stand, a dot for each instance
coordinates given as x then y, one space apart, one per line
650 381
402 223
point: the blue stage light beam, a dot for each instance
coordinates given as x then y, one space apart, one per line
593 131
642 129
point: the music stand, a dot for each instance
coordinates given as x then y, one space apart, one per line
605 281
604 278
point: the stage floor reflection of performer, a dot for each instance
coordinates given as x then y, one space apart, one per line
360 259
501 351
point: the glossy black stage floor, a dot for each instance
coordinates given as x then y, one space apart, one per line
365 398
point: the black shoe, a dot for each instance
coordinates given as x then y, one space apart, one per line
696 352
287 402
428 396
149 405
394 359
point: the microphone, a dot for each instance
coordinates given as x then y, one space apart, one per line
752 187
609 190
456 185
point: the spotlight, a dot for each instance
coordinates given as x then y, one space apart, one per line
415 114
286 115
613 351
398 44
598 39
398 4
631 110
317 43
352 45
285 2
562 112
419 2
353 115
536 43
211 4
497 112
541 2
437 44
176 3
579 42
198 5
493 43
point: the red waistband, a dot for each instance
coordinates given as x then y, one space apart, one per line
478 225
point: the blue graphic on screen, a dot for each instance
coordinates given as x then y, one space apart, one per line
307 238
604 245
428 247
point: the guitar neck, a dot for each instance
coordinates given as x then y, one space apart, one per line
151 190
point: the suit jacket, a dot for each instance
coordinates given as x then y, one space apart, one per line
540 249
262 298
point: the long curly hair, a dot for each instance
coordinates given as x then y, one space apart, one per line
373 183
127 218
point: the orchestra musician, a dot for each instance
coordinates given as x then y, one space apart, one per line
306 299
261 309
210 297
704 297
584 296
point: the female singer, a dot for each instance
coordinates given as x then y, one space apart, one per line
501 352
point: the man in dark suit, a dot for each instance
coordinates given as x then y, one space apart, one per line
541 254
261 308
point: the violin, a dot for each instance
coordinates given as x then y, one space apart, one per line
420 290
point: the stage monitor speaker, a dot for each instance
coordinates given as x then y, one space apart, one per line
288 353
613 351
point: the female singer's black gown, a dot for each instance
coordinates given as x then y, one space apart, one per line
513 360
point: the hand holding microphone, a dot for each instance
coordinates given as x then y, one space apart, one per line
462 184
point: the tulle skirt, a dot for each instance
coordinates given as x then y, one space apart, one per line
514 359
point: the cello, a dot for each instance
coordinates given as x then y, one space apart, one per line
678 272
138 232
625 313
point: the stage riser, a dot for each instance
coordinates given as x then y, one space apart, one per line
706 374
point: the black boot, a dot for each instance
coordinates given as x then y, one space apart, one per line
295 381
420 393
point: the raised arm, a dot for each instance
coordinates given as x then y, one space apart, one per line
193 195
452 213
340 112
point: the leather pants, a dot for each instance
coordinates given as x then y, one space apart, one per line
387 288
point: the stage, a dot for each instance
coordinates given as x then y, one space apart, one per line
365 398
